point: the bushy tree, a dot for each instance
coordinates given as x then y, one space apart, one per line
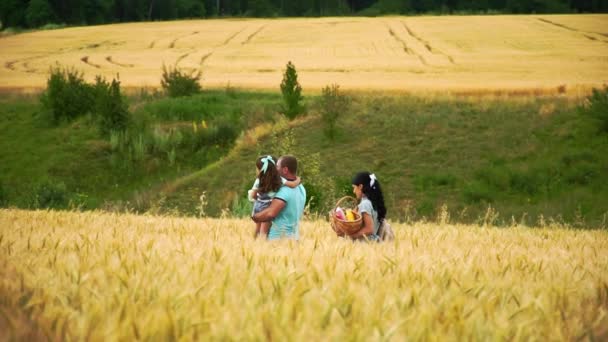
331 105
110 107
67 95
596 107
177 82
292 92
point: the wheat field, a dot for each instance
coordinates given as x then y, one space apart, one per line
532 53
107 276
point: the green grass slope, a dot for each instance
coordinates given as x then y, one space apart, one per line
504 159
484 159
74 163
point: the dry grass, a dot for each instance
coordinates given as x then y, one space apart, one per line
528 55
99 276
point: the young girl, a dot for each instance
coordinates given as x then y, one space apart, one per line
371 205
267 183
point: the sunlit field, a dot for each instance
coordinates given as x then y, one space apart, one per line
531 54
102 276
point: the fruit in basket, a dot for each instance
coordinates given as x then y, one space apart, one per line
340 213
350 215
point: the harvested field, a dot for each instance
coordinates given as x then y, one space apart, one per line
533 54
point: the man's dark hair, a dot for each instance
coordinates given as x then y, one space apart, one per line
291 163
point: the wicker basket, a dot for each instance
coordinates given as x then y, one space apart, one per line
348 227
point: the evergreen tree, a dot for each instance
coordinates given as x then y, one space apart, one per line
292 92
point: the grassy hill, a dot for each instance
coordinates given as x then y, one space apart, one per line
521 157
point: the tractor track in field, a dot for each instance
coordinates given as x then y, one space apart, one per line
406 48
229 39
124 65
179 59
172 44
585 34
12 65
85 60
253 34
427 45
205 57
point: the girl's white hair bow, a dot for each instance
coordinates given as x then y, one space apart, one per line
372 180
265 161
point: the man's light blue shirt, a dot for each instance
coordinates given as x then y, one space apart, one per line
287 222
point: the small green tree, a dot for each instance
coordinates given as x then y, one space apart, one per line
110 107
331 104
67 95
596 107
178 83
292 92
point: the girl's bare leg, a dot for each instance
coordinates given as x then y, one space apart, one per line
264 229
257 230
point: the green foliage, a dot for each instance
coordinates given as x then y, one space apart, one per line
3 197
50 194
39 13
292 92
430 181
67 95
15 13
190 9
110 107
12 13
177 82
331 105
260 8
477 192
596 107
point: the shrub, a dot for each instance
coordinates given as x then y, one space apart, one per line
67 95
110 107
178 83
477 192
596 107
50 194
332 103
224 133
292 92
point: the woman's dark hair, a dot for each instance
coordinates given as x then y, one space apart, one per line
373 193
270 180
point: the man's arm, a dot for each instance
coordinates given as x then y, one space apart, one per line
292 184
271 212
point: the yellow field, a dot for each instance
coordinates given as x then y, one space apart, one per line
534 53
101 276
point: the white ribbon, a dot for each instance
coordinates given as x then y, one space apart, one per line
265 161
372 180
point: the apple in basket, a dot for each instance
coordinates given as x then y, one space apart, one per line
340 214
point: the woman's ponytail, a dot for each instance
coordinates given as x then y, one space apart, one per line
373 191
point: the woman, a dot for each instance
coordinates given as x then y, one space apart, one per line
371 206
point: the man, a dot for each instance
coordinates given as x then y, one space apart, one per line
287 206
